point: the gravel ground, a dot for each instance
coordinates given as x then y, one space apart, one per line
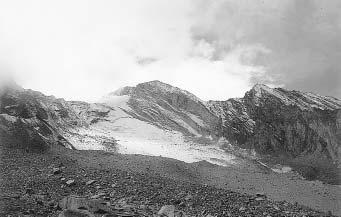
32 184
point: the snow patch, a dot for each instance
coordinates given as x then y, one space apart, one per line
187 126
9 118
281 169
196 119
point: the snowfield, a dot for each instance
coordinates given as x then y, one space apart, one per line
133 136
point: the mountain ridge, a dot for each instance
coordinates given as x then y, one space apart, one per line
298 127
38 131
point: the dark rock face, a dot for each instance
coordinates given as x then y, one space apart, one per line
283 123
29 104
170 108
35 119
25 133
234 121
90 113
296 125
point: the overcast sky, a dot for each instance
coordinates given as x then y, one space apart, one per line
216 49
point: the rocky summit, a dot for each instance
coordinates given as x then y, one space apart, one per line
302 129
171 108
158 150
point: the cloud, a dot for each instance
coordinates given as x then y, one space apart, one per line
145 60
302 38
83 49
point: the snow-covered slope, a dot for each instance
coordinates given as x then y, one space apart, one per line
114 120
170 108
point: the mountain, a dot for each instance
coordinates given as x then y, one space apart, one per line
170 107
289 123
292 128
38 135
36 120
152 118
298 128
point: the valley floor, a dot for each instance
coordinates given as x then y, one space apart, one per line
144 184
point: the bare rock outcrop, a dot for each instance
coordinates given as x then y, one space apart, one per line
34 119
302 127
170 108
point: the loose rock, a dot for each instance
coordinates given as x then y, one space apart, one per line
75 213
73 202
70 182
167 210
260 194
90 182
98 196
29 191
76 202
56 171
259 199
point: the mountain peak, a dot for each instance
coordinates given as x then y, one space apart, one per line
156 87
259 88
304 100
258 91
260 85
156 84
160 87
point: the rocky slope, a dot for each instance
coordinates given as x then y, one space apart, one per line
302 128
170 108
32 116
62 182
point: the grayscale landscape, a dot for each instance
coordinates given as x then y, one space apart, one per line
155 108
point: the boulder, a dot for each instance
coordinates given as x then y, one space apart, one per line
90 182
70 182
75 213
73 202
167 210
260 194
76 202
98 195
56 171
259 199
242 208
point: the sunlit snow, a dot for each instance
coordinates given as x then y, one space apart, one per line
134 136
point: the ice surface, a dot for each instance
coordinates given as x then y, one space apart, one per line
134 136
